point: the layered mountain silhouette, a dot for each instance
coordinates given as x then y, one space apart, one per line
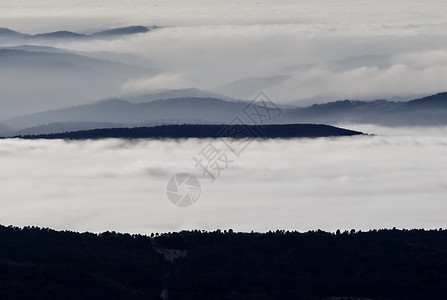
59 35
35 78
123 31
50 58
426 111
178 110
179 93
60 127
69 35
109 113
8 33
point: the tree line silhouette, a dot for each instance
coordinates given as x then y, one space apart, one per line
39 263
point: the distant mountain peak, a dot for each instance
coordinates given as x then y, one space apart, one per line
6 32
124 31
64 34
60 34
177 93
437 98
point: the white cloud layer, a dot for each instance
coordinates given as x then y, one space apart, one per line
158 82
363 182
320 64
327 50
365 14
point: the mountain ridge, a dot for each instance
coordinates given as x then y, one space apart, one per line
426 111
234 131
65 34
123 111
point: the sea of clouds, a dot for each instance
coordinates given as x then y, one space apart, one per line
396 179
324 50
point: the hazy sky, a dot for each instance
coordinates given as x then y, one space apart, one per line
362 183
372 15
325 50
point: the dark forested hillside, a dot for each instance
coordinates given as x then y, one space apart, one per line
203 131
44 264
40 263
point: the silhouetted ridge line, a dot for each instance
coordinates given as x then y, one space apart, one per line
237 131
64 34
389 264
